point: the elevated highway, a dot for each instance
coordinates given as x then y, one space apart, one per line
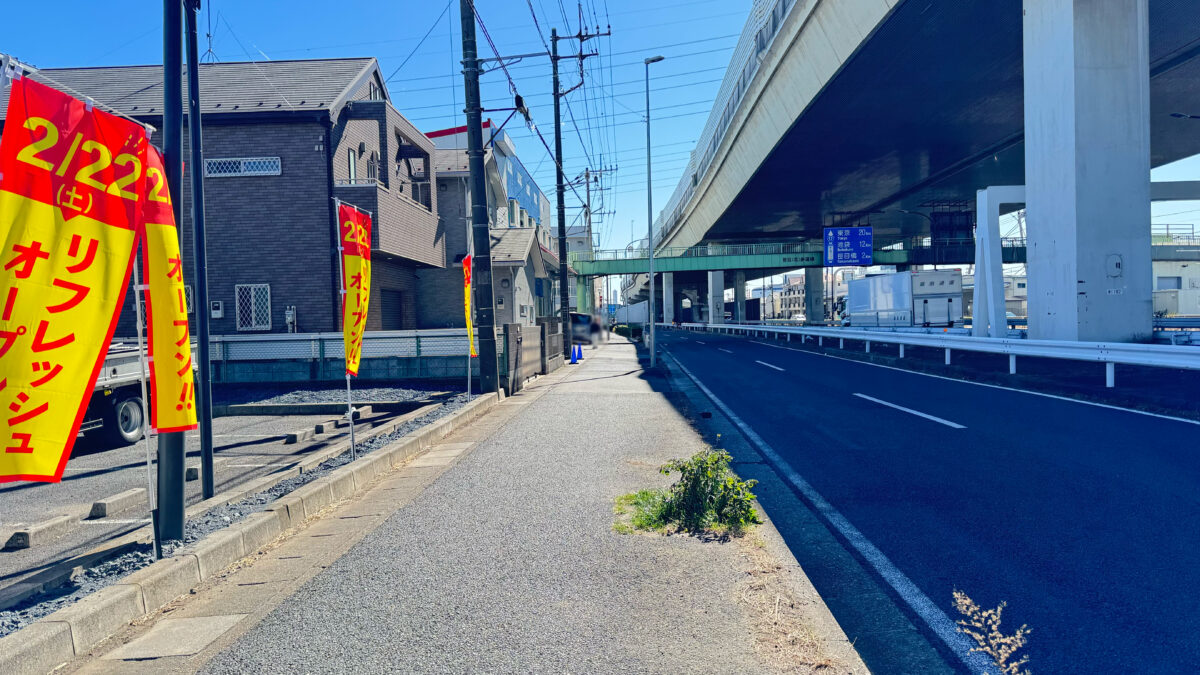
894 113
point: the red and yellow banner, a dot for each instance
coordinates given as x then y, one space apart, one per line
72 185
172 386
467 302
355 234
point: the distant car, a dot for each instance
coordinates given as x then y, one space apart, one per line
581 328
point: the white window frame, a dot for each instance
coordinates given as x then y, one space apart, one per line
352 164
243 166
257 323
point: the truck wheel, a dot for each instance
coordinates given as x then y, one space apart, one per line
123 421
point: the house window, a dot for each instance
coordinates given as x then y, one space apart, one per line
253 306
373 166
351 164
374 92
187 299
1170 283
1020 284
226 167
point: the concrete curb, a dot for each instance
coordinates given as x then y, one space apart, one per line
55 639
35 534
118 502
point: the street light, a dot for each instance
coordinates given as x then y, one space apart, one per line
650 208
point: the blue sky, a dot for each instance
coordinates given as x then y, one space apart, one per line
697 38
425 83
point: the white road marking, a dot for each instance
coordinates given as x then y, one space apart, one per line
929 611
985 384
769 365
252 466
725 350
241 435
117 521
701 342
912 412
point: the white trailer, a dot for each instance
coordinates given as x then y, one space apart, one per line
925 298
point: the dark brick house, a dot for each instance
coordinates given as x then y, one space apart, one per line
281 140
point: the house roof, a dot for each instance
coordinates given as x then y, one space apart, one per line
511 245
225 88
450 161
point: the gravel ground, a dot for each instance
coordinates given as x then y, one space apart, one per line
331 393
110 572
508 561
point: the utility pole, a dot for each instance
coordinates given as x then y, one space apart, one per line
200 253
170 445
481 261
589 176
559 186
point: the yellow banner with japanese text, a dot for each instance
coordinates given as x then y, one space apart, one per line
71 186
467 303
355 237
172 386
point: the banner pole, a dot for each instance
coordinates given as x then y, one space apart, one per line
470 307
345 354
350 417
138 291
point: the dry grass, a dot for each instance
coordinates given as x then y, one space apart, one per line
983 626
783 639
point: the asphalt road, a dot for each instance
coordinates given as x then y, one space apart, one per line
1081 517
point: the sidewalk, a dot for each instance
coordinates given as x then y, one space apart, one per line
495 553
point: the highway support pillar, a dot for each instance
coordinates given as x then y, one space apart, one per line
716 296
1087 169
739 297
583 299
668 297
988 318
814 294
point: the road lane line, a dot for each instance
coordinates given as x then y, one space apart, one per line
769 365
701 342
912 412
985 384
929 611
725 350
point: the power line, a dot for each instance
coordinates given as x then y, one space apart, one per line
421 42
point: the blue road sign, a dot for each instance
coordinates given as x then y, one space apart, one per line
847 246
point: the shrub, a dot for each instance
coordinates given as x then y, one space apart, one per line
632 332
708 493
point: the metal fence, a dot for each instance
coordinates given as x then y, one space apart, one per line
1108 353
285 357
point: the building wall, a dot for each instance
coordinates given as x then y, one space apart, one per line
1188 273
405 225
391 274
264 229
440 302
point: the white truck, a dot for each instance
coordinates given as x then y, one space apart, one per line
924 298
115 410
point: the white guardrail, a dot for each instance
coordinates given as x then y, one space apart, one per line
1108 353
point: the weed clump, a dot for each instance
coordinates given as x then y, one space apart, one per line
707 496
983 626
